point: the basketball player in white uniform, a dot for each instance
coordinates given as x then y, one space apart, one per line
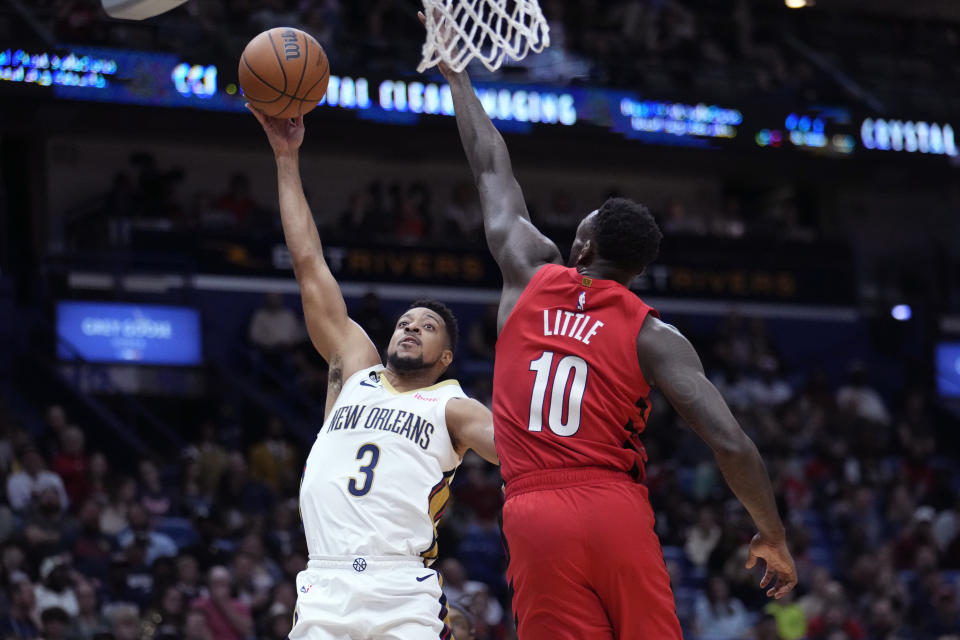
377 478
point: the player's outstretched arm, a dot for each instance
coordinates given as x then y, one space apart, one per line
340 340
670 363
471 427
518 247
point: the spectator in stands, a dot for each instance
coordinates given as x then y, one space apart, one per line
482 336
480 549
123 619
87 622
32 477
822 591
187 578
56 588
461 216
455 584
19 622
157 499
882 620
47 528
372 318
917 537
72 465
679 221
55 622
461 622
412 219
238 203
114 516
719 616
168 615
285 594
285 531
210 456
836 617
55 425
359 219
766 629
141 530
487 612
274 328
193 500
228 618
251 583
791 621
702 537
769 389
945 623
861 400
92 549
195 626
98 478
277 625
8 523
274 461
133 579
241 499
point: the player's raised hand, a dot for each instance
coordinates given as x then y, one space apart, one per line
447 37
779 562
285 134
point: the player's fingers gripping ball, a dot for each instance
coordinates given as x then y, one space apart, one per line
284 72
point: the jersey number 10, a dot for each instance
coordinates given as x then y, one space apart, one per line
560 402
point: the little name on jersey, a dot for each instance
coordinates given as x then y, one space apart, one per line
569 324
402 423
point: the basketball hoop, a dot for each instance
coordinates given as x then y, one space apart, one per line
461 30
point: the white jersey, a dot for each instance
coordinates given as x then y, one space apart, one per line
378 476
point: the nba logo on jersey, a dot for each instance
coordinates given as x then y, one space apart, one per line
582 300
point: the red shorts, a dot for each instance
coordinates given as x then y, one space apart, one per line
585 562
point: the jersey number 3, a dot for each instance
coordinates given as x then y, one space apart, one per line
366 470
563 416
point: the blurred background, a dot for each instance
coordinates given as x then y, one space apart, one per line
158 397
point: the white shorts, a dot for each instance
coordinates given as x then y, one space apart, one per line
370 597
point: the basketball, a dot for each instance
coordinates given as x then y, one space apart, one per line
284 72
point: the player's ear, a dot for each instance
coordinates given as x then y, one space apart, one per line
446 358
586 255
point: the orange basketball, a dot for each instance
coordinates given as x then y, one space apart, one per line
284 72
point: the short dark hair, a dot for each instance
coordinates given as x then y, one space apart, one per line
626 234
449 320
54 614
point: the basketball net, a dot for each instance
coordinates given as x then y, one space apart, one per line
460 30
138 9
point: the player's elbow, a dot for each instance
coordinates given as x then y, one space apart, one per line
733 446
306 262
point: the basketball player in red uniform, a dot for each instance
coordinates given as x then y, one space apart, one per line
577 357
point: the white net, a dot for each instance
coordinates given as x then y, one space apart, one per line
460 30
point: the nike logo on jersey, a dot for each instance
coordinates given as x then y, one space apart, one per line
367 383
425 577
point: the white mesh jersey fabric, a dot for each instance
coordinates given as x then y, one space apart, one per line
460 30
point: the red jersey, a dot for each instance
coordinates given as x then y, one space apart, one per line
567 386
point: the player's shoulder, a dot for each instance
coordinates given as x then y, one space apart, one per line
655 332
659 342
545 275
